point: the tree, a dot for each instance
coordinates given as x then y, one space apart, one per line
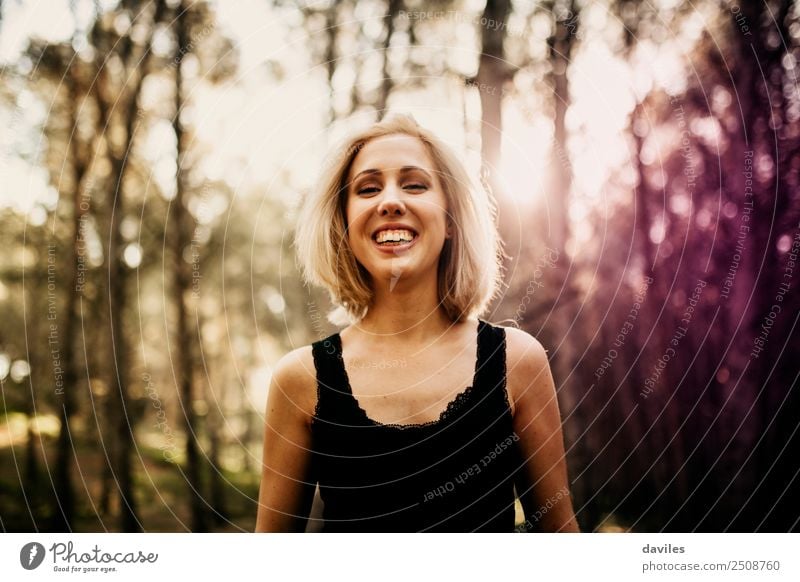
118 106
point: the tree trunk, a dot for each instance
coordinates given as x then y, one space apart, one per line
119 398
560 184
490 80
393 8
330 56
63 464
216 481
121 423
560 53
180 223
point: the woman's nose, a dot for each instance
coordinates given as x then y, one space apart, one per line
391 201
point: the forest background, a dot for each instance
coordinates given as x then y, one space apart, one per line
643 156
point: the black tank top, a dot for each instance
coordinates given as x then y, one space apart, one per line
454 474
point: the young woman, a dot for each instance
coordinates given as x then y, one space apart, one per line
417 416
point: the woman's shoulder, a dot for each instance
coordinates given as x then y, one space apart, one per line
520 343
295 375
526 359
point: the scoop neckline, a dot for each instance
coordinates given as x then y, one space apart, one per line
452 406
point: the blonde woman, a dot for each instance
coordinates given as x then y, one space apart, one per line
418 415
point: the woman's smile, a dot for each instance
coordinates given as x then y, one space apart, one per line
395 248
394 238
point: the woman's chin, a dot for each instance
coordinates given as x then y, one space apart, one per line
385 273
399 268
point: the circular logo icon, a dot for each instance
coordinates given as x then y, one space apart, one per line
31 555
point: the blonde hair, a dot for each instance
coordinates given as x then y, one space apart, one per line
470 262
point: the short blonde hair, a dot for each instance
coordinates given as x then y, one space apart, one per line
470 262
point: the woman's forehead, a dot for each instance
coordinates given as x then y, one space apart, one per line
391 152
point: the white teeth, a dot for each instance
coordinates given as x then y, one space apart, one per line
394 236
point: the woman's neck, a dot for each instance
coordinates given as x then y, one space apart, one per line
405 312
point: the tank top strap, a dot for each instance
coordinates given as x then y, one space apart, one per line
332 385
491 372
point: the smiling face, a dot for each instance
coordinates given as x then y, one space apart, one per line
396 209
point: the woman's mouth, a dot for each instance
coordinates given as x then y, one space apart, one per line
394 241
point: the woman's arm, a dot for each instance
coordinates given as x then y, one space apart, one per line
287 481
543 486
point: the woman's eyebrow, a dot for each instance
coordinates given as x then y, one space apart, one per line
370 171
403 170
407 169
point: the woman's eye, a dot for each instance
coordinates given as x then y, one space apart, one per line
368 190
417 186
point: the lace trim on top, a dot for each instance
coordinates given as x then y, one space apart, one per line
504 390
452 407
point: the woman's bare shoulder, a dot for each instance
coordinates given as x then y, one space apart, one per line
521 345
295 375
526 360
